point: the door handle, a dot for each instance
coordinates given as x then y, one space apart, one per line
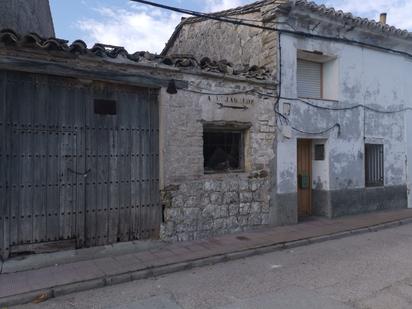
85 174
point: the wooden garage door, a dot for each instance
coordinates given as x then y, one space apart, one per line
70 172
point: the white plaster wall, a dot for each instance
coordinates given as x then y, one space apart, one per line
320 168
364 76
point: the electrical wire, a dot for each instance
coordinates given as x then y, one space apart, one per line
207 92
293 32
350 107
240 22
213 16
336 125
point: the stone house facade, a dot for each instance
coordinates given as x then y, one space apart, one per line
342 105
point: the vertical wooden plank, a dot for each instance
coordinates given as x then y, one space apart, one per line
299 172
155 171
53 168
113 185
3 164
91 165
151 204
101 133
139 164
67 153
40 160
123 103
80 110
145 168
26 133
14 168
134 166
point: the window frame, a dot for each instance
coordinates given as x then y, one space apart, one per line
323 153
379 165
321 81
329 74
242 130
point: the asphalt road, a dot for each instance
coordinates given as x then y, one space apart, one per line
372 270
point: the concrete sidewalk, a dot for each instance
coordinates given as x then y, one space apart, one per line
51 281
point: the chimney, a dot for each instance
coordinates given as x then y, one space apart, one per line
24 16
382 18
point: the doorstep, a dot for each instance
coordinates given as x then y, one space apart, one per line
158 258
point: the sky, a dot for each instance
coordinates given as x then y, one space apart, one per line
142 28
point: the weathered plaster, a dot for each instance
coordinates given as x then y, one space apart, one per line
365 76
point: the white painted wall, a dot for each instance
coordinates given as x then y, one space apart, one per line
320 169
364 76
408 119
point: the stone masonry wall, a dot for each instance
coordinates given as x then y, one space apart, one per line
223 205
199 205
239 45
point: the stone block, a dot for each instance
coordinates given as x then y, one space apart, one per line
221 211
233 209
218 224
230 198
243 185
254 185
244 208
231 223
255 219
243 220
191 215
192 201
216 198
256 207
209 211
246 197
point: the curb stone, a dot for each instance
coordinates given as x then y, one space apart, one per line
180 266
79 286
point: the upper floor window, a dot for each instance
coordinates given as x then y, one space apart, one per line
317 76
309 78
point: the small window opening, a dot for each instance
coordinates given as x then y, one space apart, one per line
105 107
222 150
374 165
317 75
319 152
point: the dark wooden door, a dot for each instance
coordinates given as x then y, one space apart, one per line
122 154
304 164
41 143
69 174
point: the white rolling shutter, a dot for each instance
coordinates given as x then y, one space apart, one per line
309 79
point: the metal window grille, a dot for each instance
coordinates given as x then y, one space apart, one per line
374 165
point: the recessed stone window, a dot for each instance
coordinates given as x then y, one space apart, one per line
223 150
